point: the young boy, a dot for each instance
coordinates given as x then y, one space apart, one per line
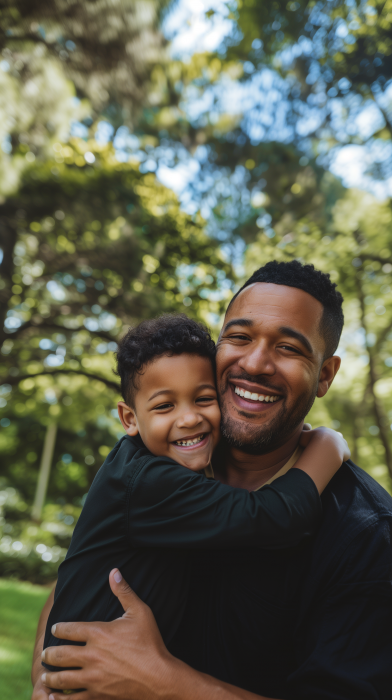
145 512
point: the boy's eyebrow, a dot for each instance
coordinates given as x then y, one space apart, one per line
207 386
170 391
161 391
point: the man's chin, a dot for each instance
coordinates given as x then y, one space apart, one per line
248 439
262 439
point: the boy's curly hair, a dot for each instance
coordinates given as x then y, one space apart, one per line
170 334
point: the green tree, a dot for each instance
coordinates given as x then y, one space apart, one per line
90 246
106 48
354 246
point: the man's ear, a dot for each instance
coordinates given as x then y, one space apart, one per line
128 419
327 375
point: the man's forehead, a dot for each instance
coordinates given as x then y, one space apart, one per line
278 301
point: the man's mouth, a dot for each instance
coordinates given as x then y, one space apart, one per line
253 396
192 441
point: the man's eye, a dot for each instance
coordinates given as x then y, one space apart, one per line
238 336
291 349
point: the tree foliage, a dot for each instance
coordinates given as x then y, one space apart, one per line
106 48
95 114
354 246
90 246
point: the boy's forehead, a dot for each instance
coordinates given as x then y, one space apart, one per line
175 370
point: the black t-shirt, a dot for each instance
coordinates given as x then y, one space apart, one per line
308 621
146 515
313 622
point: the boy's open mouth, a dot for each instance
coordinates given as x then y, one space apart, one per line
192 441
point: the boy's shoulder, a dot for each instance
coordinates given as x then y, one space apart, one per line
125 459
126 449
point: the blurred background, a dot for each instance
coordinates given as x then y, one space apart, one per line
153 154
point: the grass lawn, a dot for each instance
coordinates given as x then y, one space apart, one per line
20 606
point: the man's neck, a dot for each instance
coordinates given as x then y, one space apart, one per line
249 472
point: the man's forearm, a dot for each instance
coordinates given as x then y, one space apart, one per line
36 670
187 684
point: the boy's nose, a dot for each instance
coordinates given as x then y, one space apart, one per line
189 419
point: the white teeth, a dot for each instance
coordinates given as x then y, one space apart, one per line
255 397
188 443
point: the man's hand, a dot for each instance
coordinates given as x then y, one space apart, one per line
127 660
123 659
41 691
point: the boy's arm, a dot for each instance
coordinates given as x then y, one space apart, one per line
325 451
170 506
40 692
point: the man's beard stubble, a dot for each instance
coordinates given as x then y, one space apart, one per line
261 439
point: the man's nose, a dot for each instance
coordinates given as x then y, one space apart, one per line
189 419
257 359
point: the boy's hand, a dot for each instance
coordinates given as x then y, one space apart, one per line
328 437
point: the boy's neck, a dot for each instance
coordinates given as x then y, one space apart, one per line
246 471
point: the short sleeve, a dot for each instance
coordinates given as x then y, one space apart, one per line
344 647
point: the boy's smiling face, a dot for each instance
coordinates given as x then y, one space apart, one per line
176 409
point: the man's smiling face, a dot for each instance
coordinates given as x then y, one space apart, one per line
270 365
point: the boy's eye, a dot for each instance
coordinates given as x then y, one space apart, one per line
162 406
206 399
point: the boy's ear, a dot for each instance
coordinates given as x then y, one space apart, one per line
127 417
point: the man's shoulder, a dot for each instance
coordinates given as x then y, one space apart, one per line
353 502
353 490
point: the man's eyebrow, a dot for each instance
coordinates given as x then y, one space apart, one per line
286 330
238 322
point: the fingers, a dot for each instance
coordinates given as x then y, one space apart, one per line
61 680
74 631
128 599
307 426
40 692
347 452
73 696
66 656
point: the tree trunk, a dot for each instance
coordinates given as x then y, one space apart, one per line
44 471
7 244
380 416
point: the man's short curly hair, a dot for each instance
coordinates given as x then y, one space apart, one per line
171 334
314 282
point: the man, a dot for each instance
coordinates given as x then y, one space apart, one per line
312 622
